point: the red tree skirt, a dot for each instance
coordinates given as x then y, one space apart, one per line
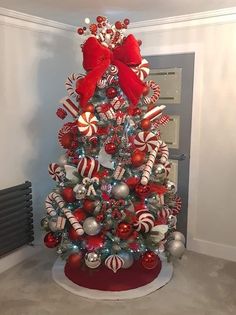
105 279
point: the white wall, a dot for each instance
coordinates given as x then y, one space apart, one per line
35 61
212 206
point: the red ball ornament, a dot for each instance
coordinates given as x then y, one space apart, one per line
68 194
94 242
50 240
99 19
138 158
93 28
146 90
146 124
61 113
73 235
118 25
124 230
142 190
79 214
137 112
132 182
88 108
111 92
89 205
110 148
80 31
150 260
126 21
74 260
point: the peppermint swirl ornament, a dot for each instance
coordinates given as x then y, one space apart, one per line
145 221
146 141
55 171
142 70
87 124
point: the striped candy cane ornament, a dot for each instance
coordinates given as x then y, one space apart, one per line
149 165
164 151
52 199
73 221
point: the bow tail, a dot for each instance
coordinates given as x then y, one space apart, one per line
86 86
130 84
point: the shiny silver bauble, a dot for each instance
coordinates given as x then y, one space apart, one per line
171 187
80 192
91 226
120 190
175 248
45 224
160 171
92 260
62 160
177 236
172 221
127 258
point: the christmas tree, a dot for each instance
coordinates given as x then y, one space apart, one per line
114 205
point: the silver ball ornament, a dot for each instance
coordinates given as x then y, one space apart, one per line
45 224
92 260
176 248
172 221
127 257
62 160
177 236
120 190
91 226
171 187
160 171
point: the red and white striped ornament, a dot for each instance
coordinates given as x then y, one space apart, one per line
146 141
164 213
142 70
149 165
70 106
71 84
163 149
60 223
105 111
87 124
73 221
154 112
88 167
167 167
118 102
114 262
177 205
119 172
55 171
145 221
52 202
113 70
111 79
156 93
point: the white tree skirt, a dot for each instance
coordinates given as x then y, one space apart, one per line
162 279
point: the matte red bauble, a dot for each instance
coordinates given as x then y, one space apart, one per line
50 240
88 108
138 158
124 230
111 92
142 190
150 260
94 242
79 214
74 260
110 148
73 235
68 194
146 124
88 205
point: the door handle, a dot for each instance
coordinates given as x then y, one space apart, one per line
178 157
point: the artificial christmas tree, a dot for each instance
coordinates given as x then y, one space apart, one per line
114 208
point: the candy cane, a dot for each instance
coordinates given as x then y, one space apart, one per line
51 199
149 165
154 112
164 151
156 93
73 221
71 83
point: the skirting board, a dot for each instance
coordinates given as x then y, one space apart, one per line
17 257
212 249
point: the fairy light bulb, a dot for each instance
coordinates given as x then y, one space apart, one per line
87 20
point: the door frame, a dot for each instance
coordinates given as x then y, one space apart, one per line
193 243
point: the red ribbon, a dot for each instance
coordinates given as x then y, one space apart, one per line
96 60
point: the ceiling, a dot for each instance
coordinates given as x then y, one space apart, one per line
74 11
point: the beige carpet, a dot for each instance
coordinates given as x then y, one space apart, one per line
201 286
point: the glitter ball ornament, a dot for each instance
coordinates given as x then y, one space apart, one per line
138 158
120 190
51 240
91 226
92 260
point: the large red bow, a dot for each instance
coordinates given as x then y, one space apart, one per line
97 59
